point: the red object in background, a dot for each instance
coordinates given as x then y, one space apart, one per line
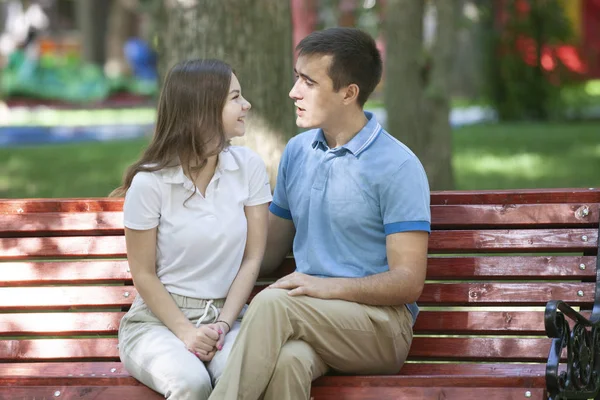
582 59
591 36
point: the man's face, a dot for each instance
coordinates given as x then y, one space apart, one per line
317 104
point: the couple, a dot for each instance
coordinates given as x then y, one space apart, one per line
351 199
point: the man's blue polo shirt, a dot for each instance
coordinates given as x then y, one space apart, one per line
345 201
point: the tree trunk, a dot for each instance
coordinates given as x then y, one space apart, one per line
121 24
255 37
91 20
417 88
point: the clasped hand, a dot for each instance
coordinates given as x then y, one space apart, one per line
204 341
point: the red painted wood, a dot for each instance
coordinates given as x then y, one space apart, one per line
63 324
480 349
317 393
505 294
102 349
24 206
79 392
443 217
439 242
69 223
509 267
517 196
64 370
537 370
71 272
73 247
438 268
65 297
424 393
480 322
423 348
438 322
513 215
513 240
513 196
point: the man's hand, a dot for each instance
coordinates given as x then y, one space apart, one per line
306 285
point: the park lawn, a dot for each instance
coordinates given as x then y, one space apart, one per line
494 156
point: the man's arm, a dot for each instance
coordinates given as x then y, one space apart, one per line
279 243
402 284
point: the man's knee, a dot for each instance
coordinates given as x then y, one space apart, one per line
269 298
300 358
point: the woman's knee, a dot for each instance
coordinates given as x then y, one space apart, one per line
189 387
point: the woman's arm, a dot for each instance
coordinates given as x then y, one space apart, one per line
257 217
141 254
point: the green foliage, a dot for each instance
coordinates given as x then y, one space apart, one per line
517 89
497 156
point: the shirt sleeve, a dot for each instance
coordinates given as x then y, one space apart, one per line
141 209
280 206
405 202
258 182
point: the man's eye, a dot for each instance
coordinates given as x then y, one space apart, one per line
309 83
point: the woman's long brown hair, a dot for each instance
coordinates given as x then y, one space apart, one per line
189 118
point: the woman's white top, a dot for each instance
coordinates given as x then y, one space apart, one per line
200 245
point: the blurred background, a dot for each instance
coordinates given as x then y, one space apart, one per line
490 94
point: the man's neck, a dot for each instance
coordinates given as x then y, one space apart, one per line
344 128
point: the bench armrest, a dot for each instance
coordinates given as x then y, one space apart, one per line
580 378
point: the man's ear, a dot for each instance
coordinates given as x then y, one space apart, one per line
351 93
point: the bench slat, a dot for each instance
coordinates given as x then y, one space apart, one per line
439 322
511 267
480 349
24 206
63 324
57 247
516 196
56 224
506 294
515 294
469 241
513 215
438 268
116 369
65 297
443 217
134 392
317 393
70 272
423 348
424 393
439 242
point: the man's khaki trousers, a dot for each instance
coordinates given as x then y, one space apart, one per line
286 342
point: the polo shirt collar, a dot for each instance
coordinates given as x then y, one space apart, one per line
175 175
359 142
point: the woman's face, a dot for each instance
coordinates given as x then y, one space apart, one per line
235 110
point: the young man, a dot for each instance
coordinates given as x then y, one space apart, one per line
354 202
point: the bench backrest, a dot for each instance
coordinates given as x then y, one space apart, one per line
496 258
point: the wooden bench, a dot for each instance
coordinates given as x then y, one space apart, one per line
496 260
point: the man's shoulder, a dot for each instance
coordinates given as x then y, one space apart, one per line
387 152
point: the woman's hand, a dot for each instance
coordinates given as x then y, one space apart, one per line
202 341
223 330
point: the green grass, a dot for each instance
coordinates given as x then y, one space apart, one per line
498 156
509 156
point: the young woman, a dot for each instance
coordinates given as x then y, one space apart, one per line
195 217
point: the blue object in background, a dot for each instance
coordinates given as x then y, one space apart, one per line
141 58
36 135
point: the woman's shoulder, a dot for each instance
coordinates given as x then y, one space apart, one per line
245 156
